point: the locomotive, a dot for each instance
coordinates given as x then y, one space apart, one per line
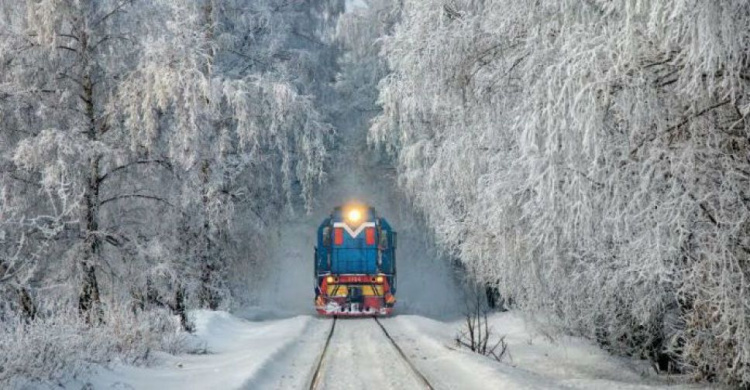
355 263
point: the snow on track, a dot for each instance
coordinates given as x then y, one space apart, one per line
361 357
318 374
401 353
283 354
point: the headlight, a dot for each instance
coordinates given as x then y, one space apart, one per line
379 279
354 215
329 280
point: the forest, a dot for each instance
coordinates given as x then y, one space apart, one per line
586 161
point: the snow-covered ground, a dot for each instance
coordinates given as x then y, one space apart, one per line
236 351
281 354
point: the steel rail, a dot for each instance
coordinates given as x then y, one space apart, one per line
318 374
411 365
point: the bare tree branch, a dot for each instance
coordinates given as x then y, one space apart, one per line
166 164
128 196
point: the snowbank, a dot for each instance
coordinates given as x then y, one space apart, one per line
280 353
234 351
534 360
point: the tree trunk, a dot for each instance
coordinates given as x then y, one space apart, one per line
207 296
180 309
494 299
89 300
28 308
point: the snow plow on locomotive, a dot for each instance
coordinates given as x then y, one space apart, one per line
355 263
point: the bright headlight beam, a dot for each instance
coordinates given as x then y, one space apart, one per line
354 215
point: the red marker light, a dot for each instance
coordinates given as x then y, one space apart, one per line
370 236
338 236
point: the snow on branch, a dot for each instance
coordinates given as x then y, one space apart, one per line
588 159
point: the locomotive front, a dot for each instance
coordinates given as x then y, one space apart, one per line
355 263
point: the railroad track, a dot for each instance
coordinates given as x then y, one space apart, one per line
318 374
319 367
401 353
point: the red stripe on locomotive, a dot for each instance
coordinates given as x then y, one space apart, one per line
370 236
338 236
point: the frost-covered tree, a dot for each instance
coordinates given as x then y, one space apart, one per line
66 61
590 159
244 134
206 96
147 149
359 31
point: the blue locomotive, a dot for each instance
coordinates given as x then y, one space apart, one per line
355 263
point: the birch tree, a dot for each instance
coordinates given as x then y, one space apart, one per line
242 132
588 158
71 58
